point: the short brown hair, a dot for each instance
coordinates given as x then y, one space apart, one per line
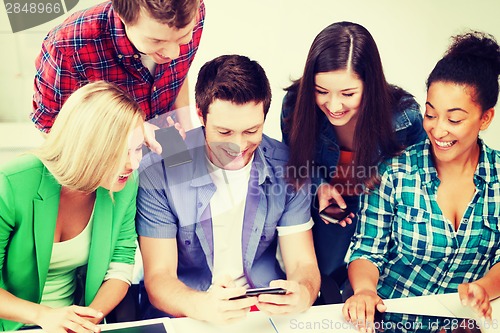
232 78
174 13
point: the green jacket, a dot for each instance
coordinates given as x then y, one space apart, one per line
29 201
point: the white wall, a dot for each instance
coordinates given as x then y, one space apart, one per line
17 65
411 35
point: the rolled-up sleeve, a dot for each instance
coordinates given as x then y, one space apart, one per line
154 217
126 245
297 207
120 271
55 79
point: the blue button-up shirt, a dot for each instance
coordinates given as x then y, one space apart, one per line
174 202
404 233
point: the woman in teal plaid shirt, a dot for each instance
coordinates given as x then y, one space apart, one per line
432 225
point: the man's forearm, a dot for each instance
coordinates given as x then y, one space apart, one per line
181 107
172 296
307 275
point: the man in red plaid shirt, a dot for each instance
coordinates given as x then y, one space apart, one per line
144 46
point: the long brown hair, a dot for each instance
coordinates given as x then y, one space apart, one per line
331 50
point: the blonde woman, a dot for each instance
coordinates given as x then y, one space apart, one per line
67 215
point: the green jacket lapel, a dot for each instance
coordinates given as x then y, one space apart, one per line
100 247
45 209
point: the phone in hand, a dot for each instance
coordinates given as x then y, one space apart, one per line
174 149
333 213
258 291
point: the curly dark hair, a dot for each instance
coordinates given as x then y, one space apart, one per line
473 59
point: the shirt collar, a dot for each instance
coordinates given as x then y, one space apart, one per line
426 168
262 166
486 172
123 46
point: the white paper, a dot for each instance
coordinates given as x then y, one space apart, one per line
256 322
319 319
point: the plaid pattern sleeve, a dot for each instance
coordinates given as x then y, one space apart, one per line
373 235
404 233
52 86
57 72
92 45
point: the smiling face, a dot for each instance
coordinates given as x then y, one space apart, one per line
453 121
134 156
233 132
158 40
338 95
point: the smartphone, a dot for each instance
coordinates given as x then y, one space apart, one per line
258 291
145 328
333 213
174 149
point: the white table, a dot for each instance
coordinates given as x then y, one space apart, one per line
329 318
319 319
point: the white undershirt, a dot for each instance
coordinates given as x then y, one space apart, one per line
66 256
227 207
149 63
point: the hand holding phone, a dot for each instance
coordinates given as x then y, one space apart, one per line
333 213
174 149
258 291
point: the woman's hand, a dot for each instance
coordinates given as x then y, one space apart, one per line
327 194
475 296
360 308
72 318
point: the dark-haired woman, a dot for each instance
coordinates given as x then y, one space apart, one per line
432 226
340 120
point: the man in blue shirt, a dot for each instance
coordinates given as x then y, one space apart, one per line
210 229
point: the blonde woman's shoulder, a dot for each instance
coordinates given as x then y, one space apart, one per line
20 164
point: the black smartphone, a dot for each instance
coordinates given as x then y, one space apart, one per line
258 291
333 213
174 149
146 328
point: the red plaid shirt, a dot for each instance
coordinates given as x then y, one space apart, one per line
92 45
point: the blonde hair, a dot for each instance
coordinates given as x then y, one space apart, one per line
88 143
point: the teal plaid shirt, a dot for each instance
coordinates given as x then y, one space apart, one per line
403 232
